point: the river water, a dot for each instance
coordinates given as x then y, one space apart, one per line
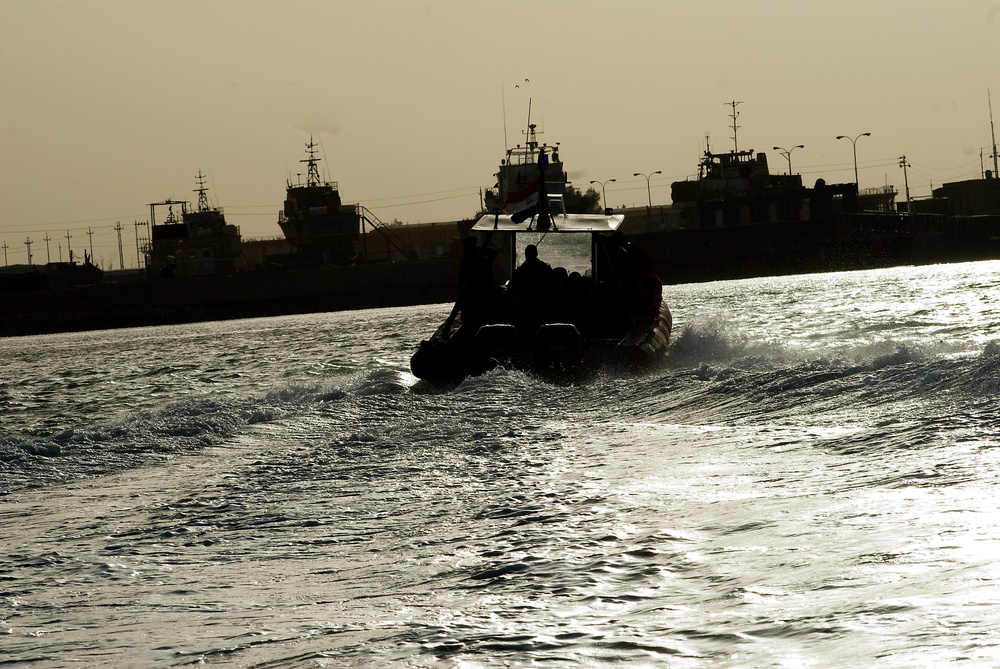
810 479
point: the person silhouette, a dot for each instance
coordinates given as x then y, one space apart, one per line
531 290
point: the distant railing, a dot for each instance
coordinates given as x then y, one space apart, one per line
391 239
879 190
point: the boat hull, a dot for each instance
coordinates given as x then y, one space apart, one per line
556 351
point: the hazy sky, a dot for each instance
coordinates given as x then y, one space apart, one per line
107 106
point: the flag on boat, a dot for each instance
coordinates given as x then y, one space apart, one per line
525 198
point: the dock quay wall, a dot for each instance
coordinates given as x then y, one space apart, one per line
240 295
842 242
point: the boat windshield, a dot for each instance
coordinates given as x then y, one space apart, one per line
570 251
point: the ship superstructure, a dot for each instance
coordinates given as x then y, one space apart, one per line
191 242
315 221
518 185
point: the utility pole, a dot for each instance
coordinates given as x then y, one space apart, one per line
48 258
69 247
28 243
5 247
121 256
734 115
906 182
90 234
138 257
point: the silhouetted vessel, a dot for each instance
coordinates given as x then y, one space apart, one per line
600 307
193 242
739 220
606 310
314 219
520 180
199 268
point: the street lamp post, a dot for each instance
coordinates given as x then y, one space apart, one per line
649 196
604 199
787 153
854 143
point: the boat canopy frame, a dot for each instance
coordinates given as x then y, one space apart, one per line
561 224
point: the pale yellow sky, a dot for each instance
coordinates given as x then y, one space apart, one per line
109 105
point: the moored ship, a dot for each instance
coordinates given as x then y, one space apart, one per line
520 179
193 242
321 228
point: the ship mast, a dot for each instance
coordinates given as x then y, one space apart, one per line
202 192
312 176
529 135
734 115
993 134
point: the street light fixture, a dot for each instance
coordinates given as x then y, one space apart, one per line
787 153
649 196
854 142
604 200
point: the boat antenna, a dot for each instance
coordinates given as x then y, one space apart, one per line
704 157
312 177
201 191
526 132
993 134
734 115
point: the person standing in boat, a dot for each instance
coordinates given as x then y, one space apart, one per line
534 276
531 290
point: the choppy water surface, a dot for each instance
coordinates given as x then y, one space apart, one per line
811 479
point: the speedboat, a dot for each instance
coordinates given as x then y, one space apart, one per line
589 301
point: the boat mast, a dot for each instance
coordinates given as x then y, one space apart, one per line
201 191
529 136
312 176
705 158
734 115
529 112
993 135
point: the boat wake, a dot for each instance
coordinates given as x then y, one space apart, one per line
47 454
715 375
